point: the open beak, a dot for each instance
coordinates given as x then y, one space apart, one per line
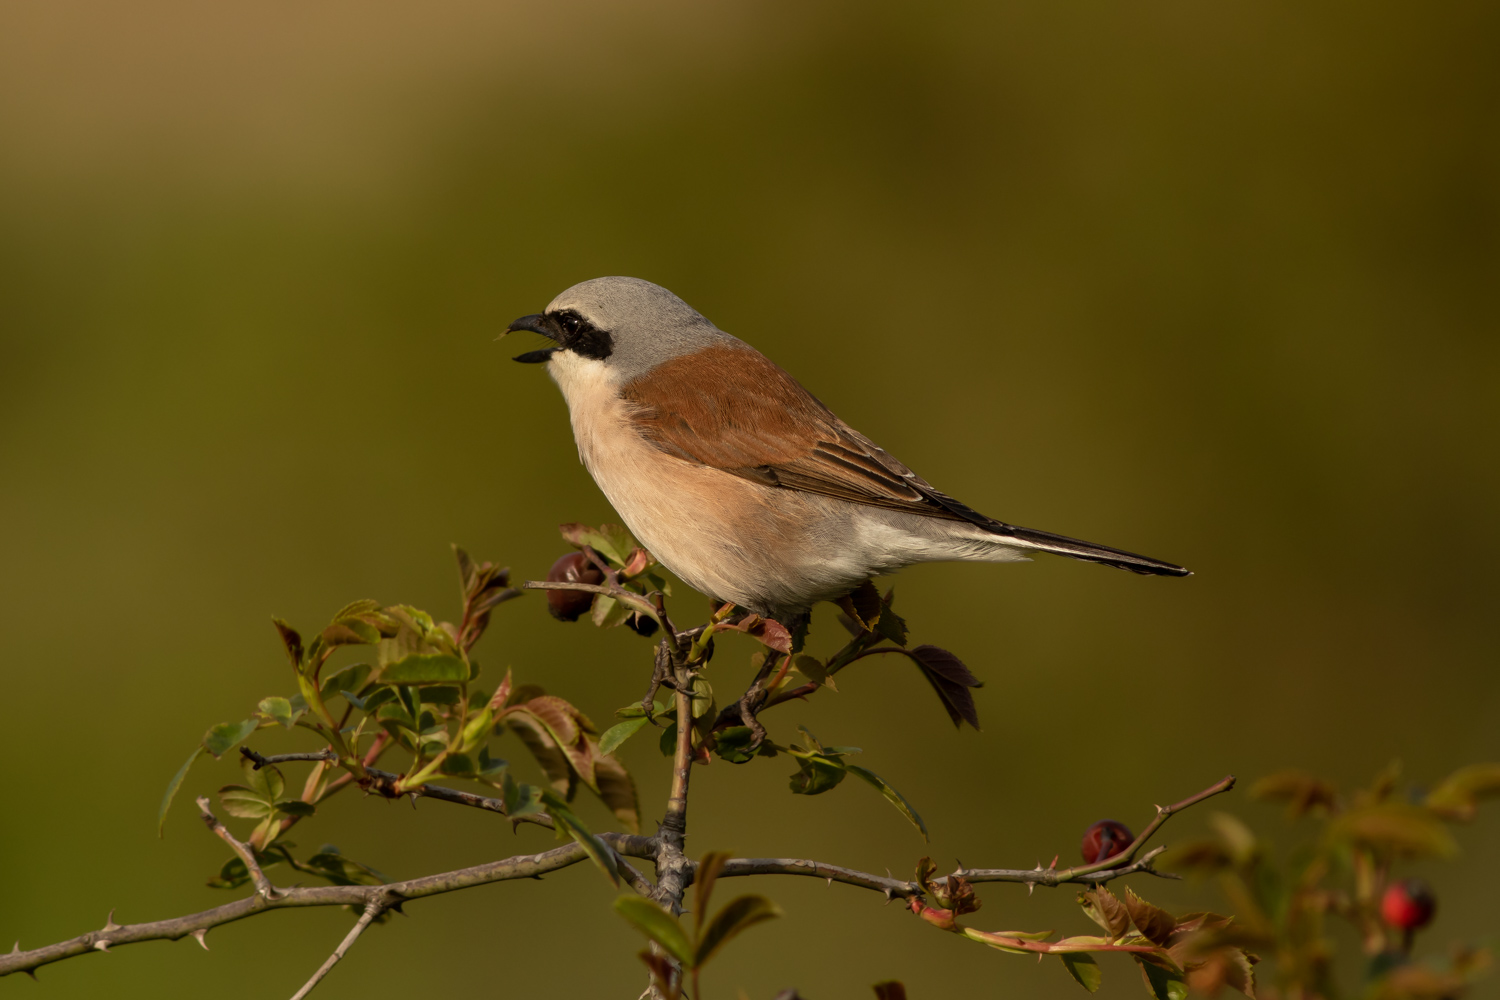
537 323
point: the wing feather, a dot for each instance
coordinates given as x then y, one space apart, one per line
731 408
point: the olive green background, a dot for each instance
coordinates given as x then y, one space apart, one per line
1211 282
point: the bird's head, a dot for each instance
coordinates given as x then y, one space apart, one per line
620 327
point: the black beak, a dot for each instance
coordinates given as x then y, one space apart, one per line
537 323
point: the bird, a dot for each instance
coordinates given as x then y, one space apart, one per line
735 477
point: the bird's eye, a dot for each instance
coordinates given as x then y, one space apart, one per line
571 322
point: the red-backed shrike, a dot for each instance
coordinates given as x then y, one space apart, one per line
735 477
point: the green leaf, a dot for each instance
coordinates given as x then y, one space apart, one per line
226 736
172 787
1162 983
296 807
610 540
568 822
658 925
891 625
738 915
354 608
816 775
268 780
330 864
350 632
426 668
348 679
609 612
703 697
618 734
814 670
279 709
1457 796
733 744
1394 828
894 797
245 803
521 800
441 694
668 742
1083 969
490 768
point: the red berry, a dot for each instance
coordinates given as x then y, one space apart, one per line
1408 905
568 605
1104 840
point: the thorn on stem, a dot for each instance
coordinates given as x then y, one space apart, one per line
109 922
201 936
101 945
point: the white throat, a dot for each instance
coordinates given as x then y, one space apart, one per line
594 403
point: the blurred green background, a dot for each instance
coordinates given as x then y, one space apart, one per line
1214 283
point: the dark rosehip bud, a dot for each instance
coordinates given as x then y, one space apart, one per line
1104 840
1408 905
568 605
641 624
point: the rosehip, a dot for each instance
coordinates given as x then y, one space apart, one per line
568 605
1408 905
641 625
1104 840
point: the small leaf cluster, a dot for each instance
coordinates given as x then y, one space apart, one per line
692 950
1197 951
420 696
1286 909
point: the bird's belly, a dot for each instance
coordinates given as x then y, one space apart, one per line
771 550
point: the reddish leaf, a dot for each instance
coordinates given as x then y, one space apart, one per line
890 990
291 640
637 562
951 680
1105 910
617 790
770 632
663 974
1154 923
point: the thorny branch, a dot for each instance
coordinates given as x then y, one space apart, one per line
680 656
675 873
